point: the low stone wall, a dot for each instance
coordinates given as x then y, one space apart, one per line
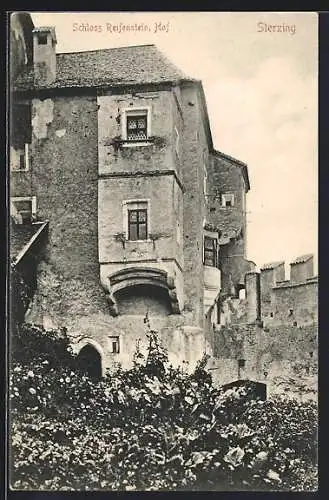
285 357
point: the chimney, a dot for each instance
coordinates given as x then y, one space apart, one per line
301 268
44 55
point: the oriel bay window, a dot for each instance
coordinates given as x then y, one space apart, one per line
137 224
210 251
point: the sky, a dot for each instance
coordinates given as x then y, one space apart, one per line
260 76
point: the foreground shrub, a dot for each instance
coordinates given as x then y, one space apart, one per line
153 428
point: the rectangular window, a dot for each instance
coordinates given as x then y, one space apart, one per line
23 210
114 345
20 158
228 200
137 224
176 141
137 127
242 363
210 251
42 38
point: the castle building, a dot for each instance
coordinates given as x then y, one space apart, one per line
112 164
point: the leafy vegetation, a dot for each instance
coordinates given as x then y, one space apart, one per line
152 427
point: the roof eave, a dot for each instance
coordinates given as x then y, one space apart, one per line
101 86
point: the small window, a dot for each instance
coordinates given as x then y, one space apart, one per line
20 158
42 38
242 363
22 161
177 141
228 200
210 251
137 224
114 345
205 178
23 210
137 127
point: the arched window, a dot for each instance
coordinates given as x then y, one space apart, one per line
90 361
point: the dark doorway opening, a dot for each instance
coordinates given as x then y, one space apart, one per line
89 361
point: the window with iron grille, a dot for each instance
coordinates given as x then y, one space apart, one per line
137 224
137 127
210 251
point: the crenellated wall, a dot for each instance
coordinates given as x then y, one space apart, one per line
274 301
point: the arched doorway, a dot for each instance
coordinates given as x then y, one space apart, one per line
89 361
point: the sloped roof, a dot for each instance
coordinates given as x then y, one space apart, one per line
116 66
22 236
272 265
238 163
302 259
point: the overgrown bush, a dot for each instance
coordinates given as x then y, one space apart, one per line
149 428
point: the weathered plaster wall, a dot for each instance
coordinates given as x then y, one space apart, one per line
302 271
226 177
275 354
164 196
156 156
301 298
194 157
64 180
283 302
69 303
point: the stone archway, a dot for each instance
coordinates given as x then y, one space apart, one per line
89 360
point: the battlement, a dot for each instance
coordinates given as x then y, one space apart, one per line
275 300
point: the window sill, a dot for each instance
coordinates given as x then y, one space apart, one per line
135 144
139 241
13 170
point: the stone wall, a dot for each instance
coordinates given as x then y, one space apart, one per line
158 155
194 156
282 356
72 179
295 303
224 176
282 302
162 193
